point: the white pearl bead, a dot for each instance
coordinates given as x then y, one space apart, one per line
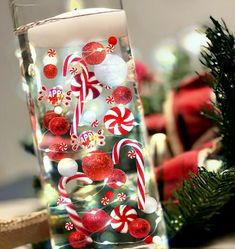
58 109
67 167
150 205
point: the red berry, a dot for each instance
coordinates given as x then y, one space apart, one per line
93 53
96 220
49 115
112 40
77 239
117 179
55 153
122 95
148 239
97 165
139 228
109 195
58 126
50 71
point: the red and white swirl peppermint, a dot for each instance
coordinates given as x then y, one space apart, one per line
61 201
68 226
105 201
119 120
51 52
70 208
121 196
131 154
109 48
121 216
109 100
63 146
95 123
93 88
139 166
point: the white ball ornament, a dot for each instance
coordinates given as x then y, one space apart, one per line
67 167
58 110
112 71
150 205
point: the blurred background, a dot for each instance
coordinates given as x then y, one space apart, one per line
166 37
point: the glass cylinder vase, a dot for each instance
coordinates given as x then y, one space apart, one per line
88 128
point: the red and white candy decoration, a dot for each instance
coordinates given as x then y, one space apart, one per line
110 100
119 120
51 52
112 42
139 166
105 201
121 217
121 196
68 226
70 208
131 154
95 123
63 146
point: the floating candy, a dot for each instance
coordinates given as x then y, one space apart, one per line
88 139
105 201
42 94
150 205
139 166
97 165
117 179
131 154
95 220
112 42
55 153
148 240
67 167
68 226
139 228
95 123
49 115
93 88
109 100
121 196
61 201
50 71
58 126
119 120
109 194
122 216
63 147
93 53
71 210
112 71
122 95
74 142
58 110
51 52
78 239
55 95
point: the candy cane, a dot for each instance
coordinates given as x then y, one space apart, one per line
139 165
70 208
81 94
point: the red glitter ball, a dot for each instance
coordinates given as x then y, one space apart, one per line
109 195
55 153
97 165
139 228
50 71
96 220
122 95
58 126
117 179
93 53
49 115
112 40
77 239
148 239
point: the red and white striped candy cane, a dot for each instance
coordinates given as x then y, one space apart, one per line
79 94
139 166
70 208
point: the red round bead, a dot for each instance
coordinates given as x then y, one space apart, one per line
49 115
77 239
97 165
112 40
58 126
109 195
148 239
139 228
93 53
50 71
96 220
55 153
117 179
122 95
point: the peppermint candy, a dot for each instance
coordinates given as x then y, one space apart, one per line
119 120
74 71
109 48
63 146
131 154
68 226
109 100
121 196
121 216
95 123
105 201
61 201
51 52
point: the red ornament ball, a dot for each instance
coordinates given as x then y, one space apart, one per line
117 179
49 115
96 220
112 40
55 153
148 239
58 126
109 195
93 53
50 71
77 239
122 95
98 165
139 228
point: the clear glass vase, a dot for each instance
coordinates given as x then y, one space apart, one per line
87 121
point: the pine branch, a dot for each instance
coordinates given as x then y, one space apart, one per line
219 58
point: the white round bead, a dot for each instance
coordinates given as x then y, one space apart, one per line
67 167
